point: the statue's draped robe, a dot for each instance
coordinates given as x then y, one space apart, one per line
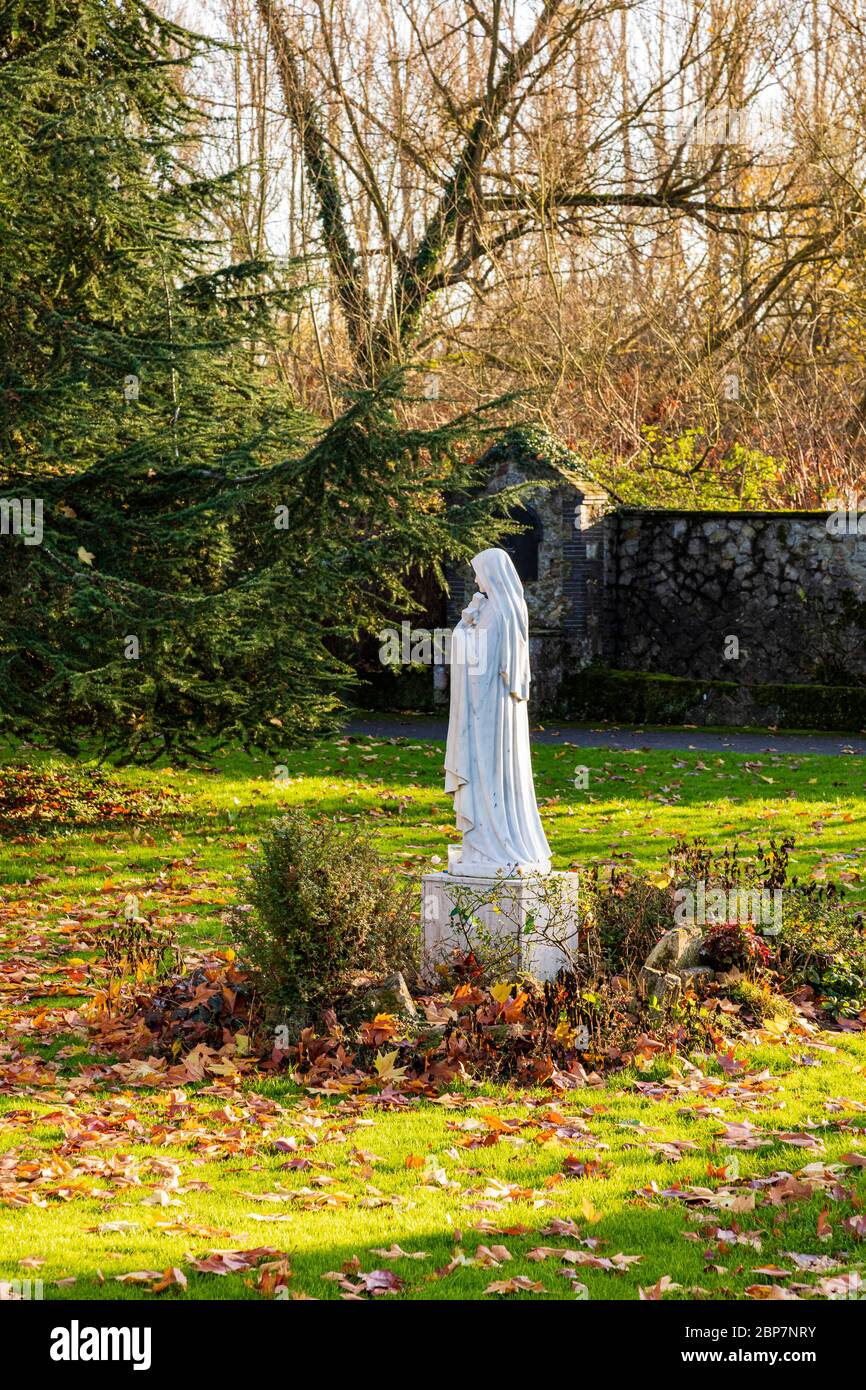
488 769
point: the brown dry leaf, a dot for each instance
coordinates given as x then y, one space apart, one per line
394 1252
160 1197
490 1228
286 1146
172 1278
839 1286
497 1125
743 1135
492 1255
519 1284
770 1293
377 1283
803 1141
386 1069
234 1261
382 1027
139 1276
857 1225
562 1227
272 1276
658 1290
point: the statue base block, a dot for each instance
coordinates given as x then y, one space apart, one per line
529 923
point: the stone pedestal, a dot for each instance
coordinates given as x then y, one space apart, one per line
528 923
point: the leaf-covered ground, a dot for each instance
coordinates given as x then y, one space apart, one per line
715 1177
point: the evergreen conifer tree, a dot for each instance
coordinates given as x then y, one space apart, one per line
207 548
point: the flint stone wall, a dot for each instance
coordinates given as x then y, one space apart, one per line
663 592
678 585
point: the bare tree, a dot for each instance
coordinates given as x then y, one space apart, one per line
615 206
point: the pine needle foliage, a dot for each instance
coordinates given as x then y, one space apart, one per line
209 552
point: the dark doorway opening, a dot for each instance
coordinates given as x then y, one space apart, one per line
523 545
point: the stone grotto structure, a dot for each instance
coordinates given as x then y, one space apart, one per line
640 614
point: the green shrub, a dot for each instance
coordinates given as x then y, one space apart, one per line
816 940
820 942
624 916
693 861
135 952
643 697
322 907
734 945
823 944
759 999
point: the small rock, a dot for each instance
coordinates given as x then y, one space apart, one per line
729 977
387 996
677 949
692 973
660 986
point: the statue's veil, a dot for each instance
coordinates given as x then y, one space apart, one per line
500 581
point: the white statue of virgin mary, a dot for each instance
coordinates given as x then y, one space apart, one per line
488 769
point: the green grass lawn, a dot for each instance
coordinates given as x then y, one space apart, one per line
104 1177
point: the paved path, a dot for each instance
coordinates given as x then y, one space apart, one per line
579 736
